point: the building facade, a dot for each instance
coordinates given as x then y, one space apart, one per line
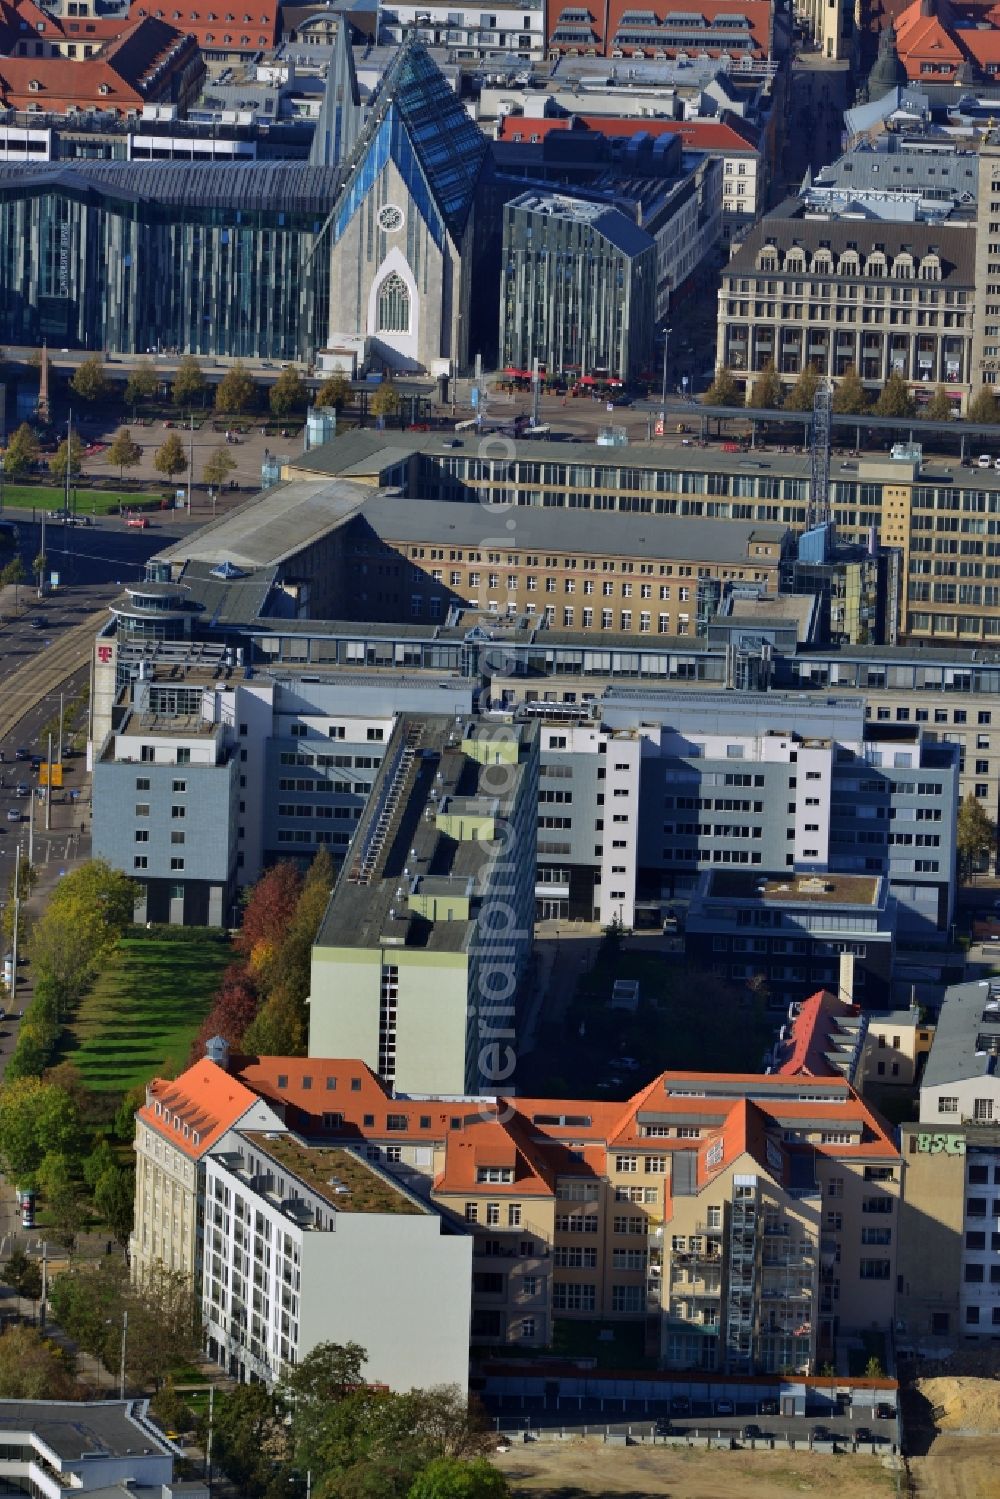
175 1129
578 291
881 298
165 805
307 1243
733 1219
950 1256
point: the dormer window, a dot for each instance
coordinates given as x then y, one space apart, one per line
34 85
104 89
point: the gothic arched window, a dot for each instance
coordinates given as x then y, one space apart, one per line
393 305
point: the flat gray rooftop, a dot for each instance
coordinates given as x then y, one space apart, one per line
967 1039
73 1430
370 902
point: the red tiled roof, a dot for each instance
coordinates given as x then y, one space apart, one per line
759 14
697 135
810 1037
195 1111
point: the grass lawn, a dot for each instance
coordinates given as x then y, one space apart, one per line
141 1016
88 501
686 1020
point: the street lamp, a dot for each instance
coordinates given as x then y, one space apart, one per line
2 467
663 401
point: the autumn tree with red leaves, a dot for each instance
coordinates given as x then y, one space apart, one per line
260 1005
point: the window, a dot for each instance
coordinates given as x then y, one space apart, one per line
177 864
982 1109
947 1105
974 1275
140 862
142 783
177 812
142 835
494 1174
142 809
393 305
493 1214
874 1269
513 1215
626 1163
179 787
472 1212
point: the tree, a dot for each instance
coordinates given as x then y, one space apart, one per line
236 391
141 385
85 915
767 389
450 1478
24 1275
124 451
237 1001
90 382
288 393
849 395
976 835
56 1183
13 576
34 1368
68 455
36 1120
248 1437
22 452
939 407
335 391
330 1371
895 398
114 1198
90 1299
170 458
803 393
984 407
189 382
218 466
39 565
385 401
724 390
269 909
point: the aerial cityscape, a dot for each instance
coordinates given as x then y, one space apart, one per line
500 750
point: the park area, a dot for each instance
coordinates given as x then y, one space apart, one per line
142 1013
579 1469
83 501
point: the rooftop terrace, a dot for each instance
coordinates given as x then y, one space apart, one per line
810 889
336 1175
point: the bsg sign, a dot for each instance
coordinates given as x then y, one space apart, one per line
940 1145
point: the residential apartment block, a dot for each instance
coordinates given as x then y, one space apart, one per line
949 1263
306 1243
424 943
744 1222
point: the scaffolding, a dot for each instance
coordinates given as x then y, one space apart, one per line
819 450
744 1247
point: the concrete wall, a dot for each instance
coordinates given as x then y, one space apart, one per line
399 1287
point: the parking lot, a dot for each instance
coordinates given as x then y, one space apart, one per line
744 1421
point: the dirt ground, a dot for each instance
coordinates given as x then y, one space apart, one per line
957 1468
587 1470
963 1404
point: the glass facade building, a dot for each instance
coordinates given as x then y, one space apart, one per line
204 258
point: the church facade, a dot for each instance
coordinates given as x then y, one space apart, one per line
402 228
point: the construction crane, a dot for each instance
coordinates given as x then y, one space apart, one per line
819 451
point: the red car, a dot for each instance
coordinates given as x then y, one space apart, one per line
138 522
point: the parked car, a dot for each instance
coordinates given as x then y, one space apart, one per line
884 1411
821 1434
138 523
662 1427
863 1435
985 461
725 1408
751 1432
769 1407
680 1405
13 814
